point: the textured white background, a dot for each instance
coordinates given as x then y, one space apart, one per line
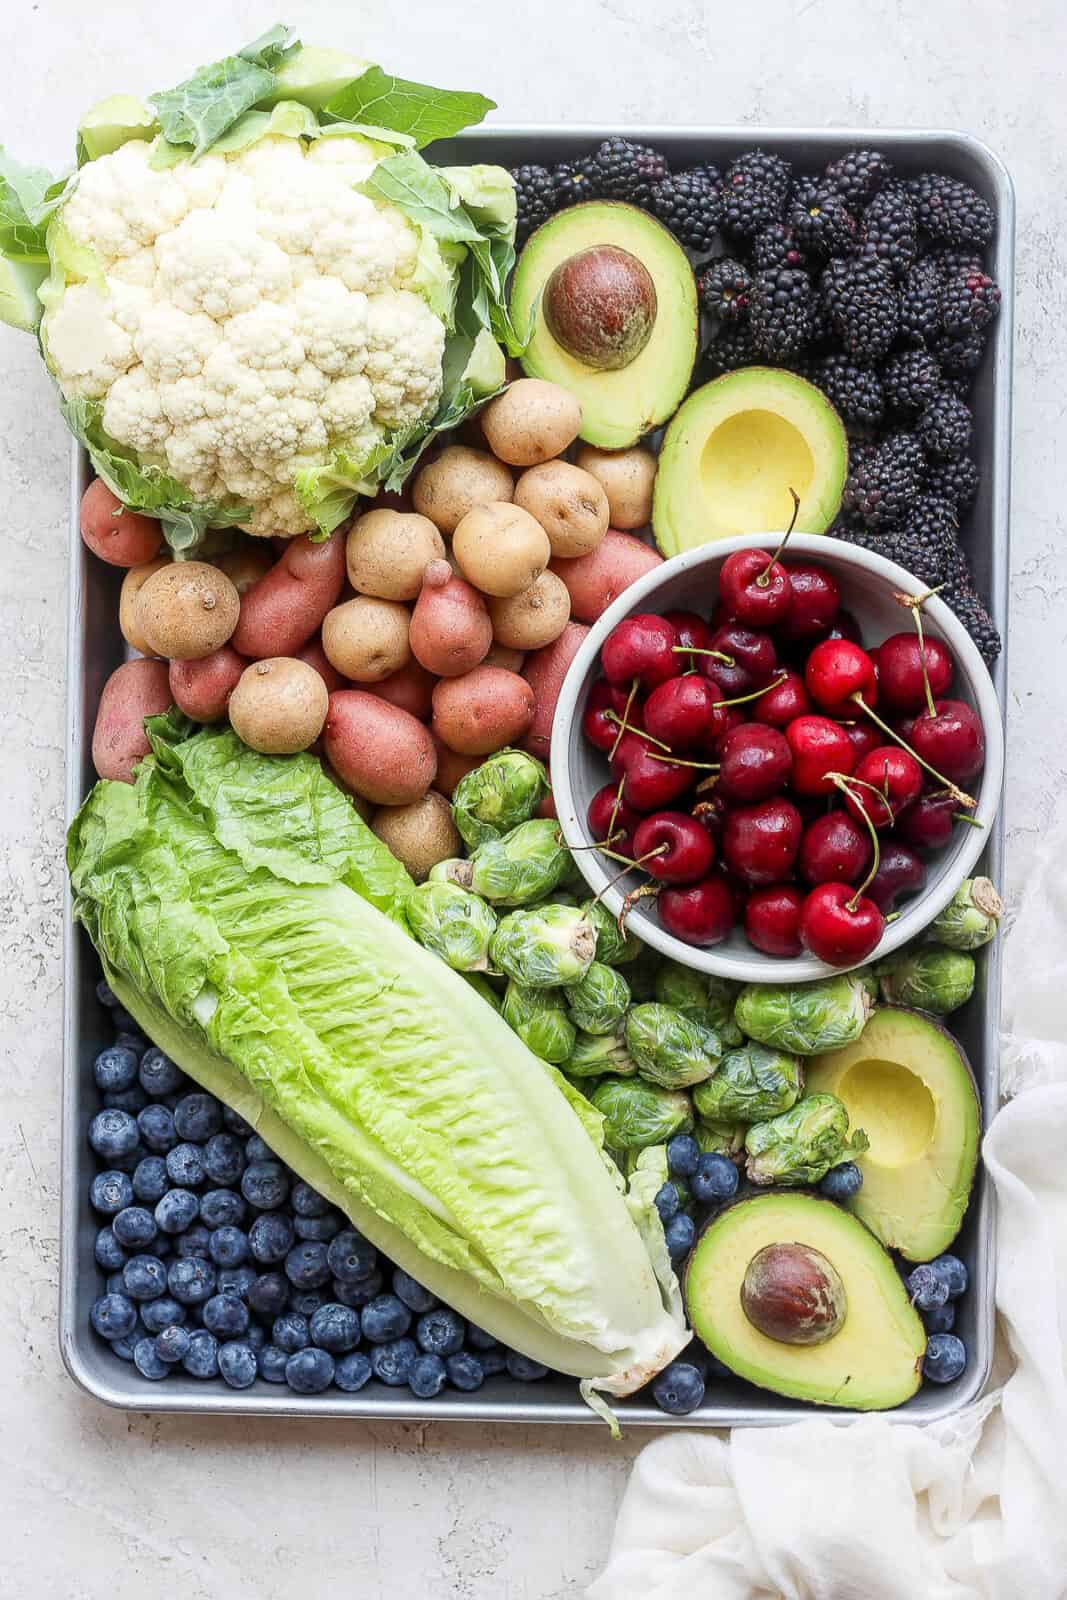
96 1503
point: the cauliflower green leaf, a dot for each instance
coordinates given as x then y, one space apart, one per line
200 110
414 108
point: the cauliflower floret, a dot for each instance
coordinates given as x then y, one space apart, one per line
355 243
333 325
134 414
407 344
405 243
192 454
87 343
138 269
348 404
174 344
212 263
120 204
281 516
190 399
354 158
266 337
244 480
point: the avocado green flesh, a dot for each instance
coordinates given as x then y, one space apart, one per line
872 1363
734 451
907 1083
621 405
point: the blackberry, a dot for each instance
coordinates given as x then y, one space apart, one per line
576 181
926 543
763 168
954 481
890 232
910 380
858 174
970 302
536 198
884 486
731 348
952 262
861 297
780 311
920 305
960 594
959 355
777 245
703 169
724 287
944 429
854 392
692 209
950 210
821 220
629 171
754 192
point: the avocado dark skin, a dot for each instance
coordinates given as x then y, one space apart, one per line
600 305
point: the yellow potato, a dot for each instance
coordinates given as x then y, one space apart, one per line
531 421
627 478
387 553
569 504
530 620
419 834
500 548
187 609
132 584
457 481
279 706
367 639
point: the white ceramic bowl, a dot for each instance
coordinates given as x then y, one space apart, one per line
868 583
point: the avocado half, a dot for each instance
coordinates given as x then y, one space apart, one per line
908 1084
736 448
872 1363
620 406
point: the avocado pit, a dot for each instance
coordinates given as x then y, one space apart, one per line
793 1294
600 306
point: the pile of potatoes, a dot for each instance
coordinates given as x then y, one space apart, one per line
437 629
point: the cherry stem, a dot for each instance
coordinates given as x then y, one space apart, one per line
616 804
625 719
602 846
707 783
701 650
630 866
914 604
676 761
647 891
956 793
754 694
628 727
848 787
972 822
764 577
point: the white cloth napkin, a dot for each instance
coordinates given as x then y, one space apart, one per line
976 1507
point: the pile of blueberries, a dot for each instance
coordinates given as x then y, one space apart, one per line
934 1287
221 1263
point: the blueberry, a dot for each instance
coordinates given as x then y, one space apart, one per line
195 1241
185 1165
147 1362
156 1124
105 994
256 1149
124 1348
308 1202
237 1281
309 1371
128 1163
132 1100
111 1192
114 1316
202 1360
290 1332
335 1327
322 1228
385 1317
163 1313
926 1287
714 1180
222 1208
134 1227
265 1185
233 1122
478 1339
952 1269
173 1343
225 1316
493 1361
191 1280
224 1158
306 1265
115 1068
465 1371
177 1210
269 1295
842 1181
679 1234
228 1247
113 1134
114 1283
668 1202
305 1302
158 1073
695 1355
352 1371
124 1020
197 1117
718 1369
414 1296
678 1389
940 1319
270 1363
270 1238
351 1257
428 1377
360 1293
683 1154
439 1333
150 1181
107 1250
523 1368
392 1363
945 1358
237 1364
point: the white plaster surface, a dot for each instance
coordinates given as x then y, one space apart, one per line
94 1503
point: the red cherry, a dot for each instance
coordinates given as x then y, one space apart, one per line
845 626
900 671
900 871
546 807
755 590
819 747
754 763
690 849
701 913
641 649
653 782
693 634
772 919
863 736
630 748
681 712
952 740
838 926
760 843
596 724
834 849
783 701
611 821
738 890
898 779
752 653
837 670
816 599
928 824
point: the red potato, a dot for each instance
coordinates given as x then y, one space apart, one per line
316 657
120 537
451 630
410 688
280 613
451 767
202 688
136 690
596 580
483 711
545 671
381 752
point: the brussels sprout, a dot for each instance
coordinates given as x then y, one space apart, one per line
802 1144
453 870
599 1002
804 1018
524 866
612 947
600 1053
722 997
540 1020
637 1114
544 947
752 1084
670 1049
483 987
721 1138
931 978
497 796
455 924
971 917
869 979
682 988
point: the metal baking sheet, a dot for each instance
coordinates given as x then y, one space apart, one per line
95 648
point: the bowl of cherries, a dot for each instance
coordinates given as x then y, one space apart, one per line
774 757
